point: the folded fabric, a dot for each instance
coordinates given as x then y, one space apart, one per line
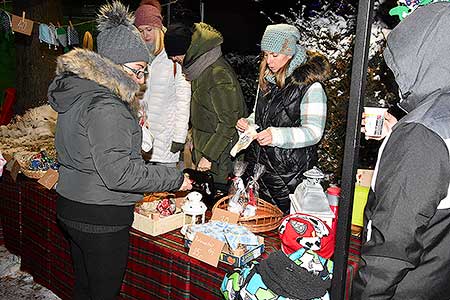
284 277
61 36
72 36
302 275
5 22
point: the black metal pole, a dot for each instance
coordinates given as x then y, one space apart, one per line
352 139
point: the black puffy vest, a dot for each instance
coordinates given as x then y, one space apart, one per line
284 167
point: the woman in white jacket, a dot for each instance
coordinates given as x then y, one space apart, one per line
168 95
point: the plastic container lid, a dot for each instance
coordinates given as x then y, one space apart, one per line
334 191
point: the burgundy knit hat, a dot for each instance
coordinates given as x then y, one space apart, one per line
148 13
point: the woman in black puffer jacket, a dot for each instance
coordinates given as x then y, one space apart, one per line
290 112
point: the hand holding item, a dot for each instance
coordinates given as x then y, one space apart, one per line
204 164
187 184
389 122
245 139
264 138
242 124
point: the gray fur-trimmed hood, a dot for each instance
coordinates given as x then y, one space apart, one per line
94 71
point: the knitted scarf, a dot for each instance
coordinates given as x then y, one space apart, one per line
196 68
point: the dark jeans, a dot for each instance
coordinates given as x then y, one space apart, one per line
99 261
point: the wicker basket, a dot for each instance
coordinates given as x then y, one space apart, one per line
268 216
33 174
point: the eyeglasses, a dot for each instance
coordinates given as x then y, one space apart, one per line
139 73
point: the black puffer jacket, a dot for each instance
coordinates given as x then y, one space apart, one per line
280 107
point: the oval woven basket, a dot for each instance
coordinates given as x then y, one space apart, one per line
33 174
268 216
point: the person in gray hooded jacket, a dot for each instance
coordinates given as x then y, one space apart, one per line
405 251
98 140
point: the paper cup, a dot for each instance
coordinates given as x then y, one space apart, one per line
374 120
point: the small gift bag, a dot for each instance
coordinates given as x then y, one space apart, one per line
252 191
237 188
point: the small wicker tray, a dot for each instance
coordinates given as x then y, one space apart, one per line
32 174
268 216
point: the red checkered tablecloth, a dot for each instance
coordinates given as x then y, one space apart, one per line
10 213
158 267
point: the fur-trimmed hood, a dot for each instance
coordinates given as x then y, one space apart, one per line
315 69
75 67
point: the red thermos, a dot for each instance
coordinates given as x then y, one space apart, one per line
333 194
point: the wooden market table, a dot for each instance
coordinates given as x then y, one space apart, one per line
158 267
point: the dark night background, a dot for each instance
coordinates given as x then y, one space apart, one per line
240 21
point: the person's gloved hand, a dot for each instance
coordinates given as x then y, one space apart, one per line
176 147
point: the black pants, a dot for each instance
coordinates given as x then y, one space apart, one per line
99 261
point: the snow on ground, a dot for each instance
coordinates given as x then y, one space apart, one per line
15 284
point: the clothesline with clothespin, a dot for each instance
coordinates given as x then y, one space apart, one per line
37 22
70 23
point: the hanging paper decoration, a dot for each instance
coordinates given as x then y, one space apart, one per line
406 7
22 25
88 42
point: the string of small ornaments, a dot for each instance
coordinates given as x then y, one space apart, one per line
55 36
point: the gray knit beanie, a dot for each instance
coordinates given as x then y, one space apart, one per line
282 38
119 40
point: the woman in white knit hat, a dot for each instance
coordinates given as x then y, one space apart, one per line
290 111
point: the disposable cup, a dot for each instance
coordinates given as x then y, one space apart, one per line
374 120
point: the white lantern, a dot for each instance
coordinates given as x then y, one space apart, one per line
194 207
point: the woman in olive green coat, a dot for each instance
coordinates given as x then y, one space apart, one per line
217 100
